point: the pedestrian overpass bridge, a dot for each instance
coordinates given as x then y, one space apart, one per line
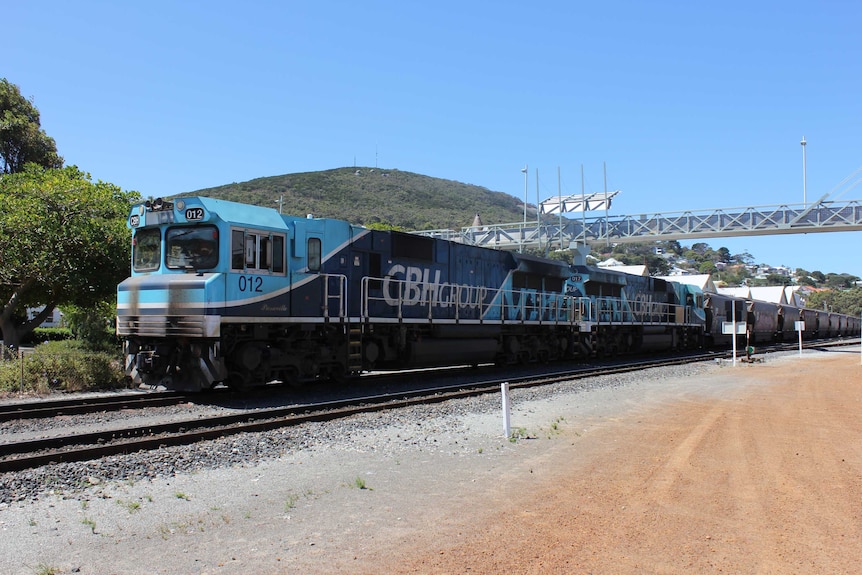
549 231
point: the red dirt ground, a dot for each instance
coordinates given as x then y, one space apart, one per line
767 480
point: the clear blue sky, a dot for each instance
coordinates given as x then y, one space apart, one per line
692 105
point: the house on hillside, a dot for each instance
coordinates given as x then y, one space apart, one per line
618 266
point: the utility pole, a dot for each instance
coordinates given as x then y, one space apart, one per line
524 228
804 176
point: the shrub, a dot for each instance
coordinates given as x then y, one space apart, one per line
62 366
43 334
93 325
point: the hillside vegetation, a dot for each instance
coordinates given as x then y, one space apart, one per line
367 196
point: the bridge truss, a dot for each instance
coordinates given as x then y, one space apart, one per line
549 232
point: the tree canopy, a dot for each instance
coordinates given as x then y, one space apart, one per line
22 139
63 240
840 301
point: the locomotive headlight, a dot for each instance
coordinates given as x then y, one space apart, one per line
181 205
158 205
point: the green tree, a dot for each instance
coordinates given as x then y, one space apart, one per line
778 280
838 281
803 277
63 240
22 139
844 301
732 275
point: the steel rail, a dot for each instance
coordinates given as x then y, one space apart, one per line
54 408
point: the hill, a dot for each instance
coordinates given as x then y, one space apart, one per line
368 196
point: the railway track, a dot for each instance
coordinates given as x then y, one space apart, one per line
28 454
75 406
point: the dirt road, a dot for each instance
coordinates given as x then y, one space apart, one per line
767 480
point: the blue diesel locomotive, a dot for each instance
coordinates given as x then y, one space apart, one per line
222 292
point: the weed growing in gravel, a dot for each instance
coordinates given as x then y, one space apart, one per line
132 506
181 495
89 523
519 433
42 569
359 483
555 426
291 501
32 522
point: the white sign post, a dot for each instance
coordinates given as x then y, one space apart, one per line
800 327
507 426
733 328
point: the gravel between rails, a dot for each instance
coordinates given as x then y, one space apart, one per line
199 508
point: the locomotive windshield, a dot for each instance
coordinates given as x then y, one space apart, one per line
192 248
146 250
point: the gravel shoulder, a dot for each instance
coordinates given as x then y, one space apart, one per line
703 469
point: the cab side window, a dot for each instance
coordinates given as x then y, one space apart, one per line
278 254
252 250
314 253
236 249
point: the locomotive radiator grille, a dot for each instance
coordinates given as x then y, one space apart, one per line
168 326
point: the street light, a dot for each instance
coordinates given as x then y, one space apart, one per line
523 230
804 178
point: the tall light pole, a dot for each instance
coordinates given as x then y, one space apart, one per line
804 176
523 230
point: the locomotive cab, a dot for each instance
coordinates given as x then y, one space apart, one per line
190 259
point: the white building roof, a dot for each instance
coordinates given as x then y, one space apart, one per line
703 281
774 294
742 291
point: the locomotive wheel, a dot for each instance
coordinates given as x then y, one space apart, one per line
337 374
238 381
290 378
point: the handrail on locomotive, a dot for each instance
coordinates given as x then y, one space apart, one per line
547 307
